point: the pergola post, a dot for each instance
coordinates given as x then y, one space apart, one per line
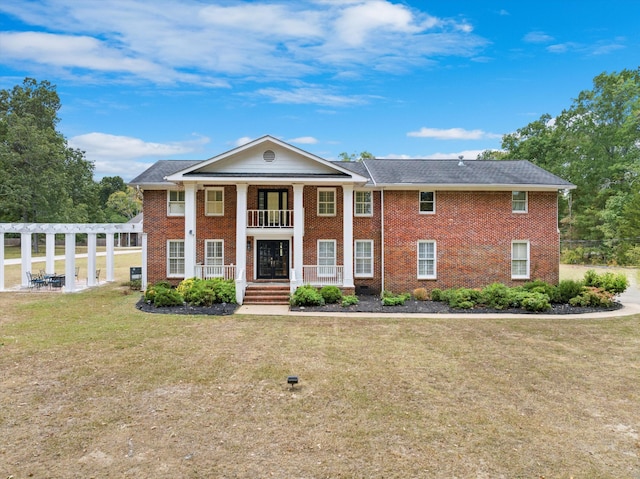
51 253
25 253
110 258
2 258
70 262
91 259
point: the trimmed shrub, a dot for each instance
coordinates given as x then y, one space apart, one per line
497 296
306 295
390 299
167 297
614 283
205 292
540 286
566 290
463 298
534 301
592 296
420 294
331 294
436 294
349 300
152 291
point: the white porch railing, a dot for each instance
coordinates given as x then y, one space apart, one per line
318 275
269 218
205 271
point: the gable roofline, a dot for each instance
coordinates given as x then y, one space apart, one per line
190 172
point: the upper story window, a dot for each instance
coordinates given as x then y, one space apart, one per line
175 203
326 201
363 203
427 202
214 202
519 201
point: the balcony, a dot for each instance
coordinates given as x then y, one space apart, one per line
206 271
269 218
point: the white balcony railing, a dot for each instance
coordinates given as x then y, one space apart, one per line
318 275
206 271
269 218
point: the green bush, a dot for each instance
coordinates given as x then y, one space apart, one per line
540 286
592 296
566 290
331 294
391 299
497 296
463 298
349 300
436 294
225 289
152 290
205 292
306 295
534 301
614 283
167 297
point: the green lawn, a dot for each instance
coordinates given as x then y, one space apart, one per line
91 387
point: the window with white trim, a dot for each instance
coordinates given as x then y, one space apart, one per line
214 202
363 203
363 263
214 258
175 258
426 260
427 202
326 201
519 201
519 260
175 203
326 258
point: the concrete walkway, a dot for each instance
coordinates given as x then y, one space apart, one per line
628 309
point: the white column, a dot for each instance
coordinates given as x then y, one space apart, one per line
110 253
347 219
298 233
241 240
2 262
70 262
144 262
189 230
91 259
50 266
25 253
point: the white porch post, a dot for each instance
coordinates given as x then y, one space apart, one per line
189 230
91 258
2 262
241 240
25 253
298 234
50 265
347 219
70 262
110 257
143 286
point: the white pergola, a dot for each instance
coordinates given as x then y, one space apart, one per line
70 230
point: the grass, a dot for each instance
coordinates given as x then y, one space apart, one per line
91 387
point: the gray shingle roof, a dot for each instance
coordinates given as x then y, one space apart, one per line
409 172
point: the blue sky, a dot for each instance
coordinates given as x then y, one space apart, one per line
143 80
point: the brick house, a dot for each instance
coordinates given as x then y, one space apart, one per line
270 212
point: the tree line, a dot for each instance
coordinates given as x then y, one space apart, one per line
43 179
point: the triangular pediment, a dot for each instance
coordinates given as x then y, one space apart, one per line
265 157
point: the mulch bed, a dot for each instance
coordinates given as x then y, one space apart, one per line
371 304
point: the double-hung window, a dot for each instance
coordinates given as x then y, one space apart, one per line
363 258
214 202
326 201
326 258
519 201
520 260
214 258
175 203
363 203
427 202
175 258
426 260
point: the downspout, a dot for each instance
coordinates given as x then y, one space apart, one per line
382 269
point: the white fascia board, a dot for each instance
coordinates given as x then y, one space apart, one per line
477 187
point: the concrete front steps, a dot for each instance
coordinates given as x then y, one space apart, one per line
257 293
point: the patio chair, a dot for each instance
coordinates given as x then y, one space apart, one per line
77 272
97 276
35 281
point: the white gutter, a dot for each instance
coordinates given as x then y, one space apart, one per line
382 238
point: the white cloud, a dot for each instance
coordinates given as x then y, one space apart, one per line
538 37
466 154
166 41
242 141
304 140
311 95
113 154
452 134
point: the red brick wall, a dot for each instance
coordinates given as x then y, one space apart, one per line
473 233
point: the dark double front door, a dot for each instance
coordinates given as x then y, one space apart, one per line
273 259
